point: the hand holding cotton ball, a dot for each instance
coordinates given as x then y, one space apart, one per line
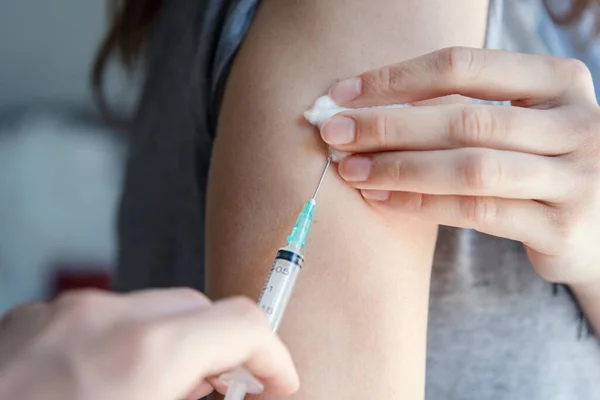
325 108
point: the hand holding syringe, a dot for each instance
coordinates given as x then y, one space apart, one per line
277 292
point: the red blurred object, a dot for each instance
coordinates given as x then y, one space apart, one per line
73 278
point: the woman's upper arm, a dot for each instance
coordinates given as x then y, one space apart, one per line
357 322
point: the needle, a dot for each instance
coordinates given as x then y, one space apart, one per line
322 177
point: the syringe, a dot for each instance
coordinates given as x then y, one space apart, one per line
277 292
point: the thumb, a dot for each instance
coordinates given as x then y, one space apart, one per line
218 338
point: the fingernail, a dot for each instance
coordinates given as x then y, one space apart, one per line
346 90
355 169
339 130
376 195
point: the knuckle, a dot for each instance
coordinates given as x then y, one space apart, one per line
385 81
381 129
480 171
479 211
392 170
413 203
80 299
423 204
81 308
458 63
472 126
418 202
381 80
575 70
395 77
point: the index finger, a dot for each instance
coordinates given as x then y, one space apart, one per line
222 337
484 74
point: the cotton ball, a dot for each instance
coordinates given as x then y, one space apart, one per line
323 109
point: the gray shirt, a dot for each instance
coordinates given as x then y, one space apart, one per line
496 330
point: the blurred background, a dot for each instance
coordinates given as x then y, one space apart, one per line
60 165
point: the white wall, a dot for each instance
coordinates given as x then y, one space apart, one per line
59 187
46 50
59 177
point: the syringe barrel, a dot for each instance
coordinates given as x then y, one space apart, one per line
280 284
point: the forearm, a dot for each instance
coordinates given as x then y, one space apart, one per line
356 325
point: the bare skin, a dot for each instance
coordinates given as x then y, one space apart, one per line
356 326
